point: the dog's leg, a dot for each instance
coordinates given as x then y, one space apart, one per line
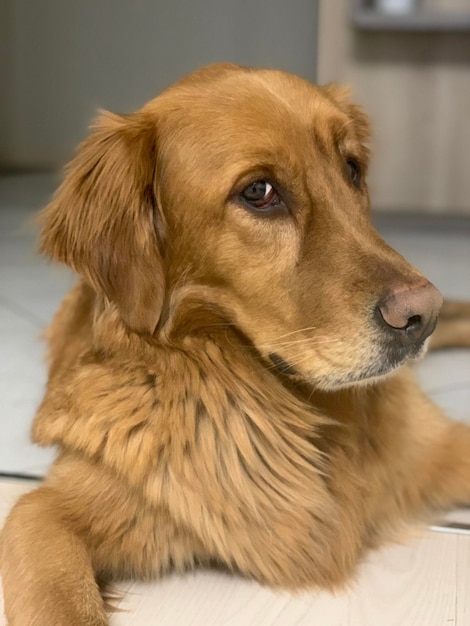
85 524
448 481
453 329
438 472
416 460
47 573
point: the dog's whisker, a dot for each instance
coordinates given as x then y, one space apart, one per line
311 354
300 330
309 340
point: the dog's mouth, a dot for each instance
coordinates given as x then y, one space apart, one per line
391 359
387 359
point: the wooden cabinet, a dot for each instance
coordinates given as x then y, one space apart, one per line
415 84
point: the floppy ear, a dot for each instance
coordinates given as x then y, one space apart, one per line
340 95
104 218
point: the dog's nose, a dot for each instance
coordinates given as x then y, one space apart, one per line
410 311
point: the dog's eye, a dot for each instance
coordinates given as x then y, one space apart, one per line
354 171
261 195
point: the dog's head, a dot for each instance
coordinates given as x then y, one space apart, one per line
243 193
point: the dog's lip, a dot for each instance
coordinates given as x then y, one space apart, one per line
394 358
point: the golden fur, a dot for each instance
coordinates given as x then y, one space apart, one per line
217 388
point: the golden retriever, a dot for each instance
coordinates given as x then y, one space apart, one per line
228 381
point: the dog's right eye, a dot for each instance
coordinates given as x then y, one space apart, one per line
261 195
354 172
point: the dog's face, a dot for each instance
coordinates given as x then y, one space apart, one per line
244 191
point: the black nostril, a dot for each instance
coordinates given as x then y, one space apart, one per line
413 323
413 331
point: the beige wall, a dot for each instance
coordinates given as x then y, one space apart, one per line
416 88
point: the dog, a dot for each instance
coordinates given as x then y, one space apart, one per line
229 381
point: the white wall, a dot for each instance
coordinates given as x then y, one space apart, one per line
63 59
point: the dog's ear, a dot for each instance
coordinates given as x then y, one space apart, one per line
104 220
340 95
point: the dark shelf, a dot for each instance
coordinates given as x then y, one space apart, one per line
416 21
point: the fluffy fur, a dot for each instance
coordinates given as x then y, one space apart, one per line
219 389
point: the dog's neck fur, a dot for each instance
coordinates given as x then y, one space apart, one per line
170 371
188 371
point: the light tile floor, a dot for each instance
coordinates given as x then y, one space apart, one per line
30 291
423 583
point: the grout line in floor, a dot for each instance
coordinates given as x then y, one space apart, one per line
21 311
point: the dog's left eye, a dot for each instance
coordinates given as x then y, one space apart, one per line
261 195
354 171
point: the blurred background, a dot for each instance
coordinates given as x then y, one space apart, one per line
61 61
408 63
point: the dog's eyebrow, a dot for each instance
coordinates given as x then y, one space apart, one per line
321 143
